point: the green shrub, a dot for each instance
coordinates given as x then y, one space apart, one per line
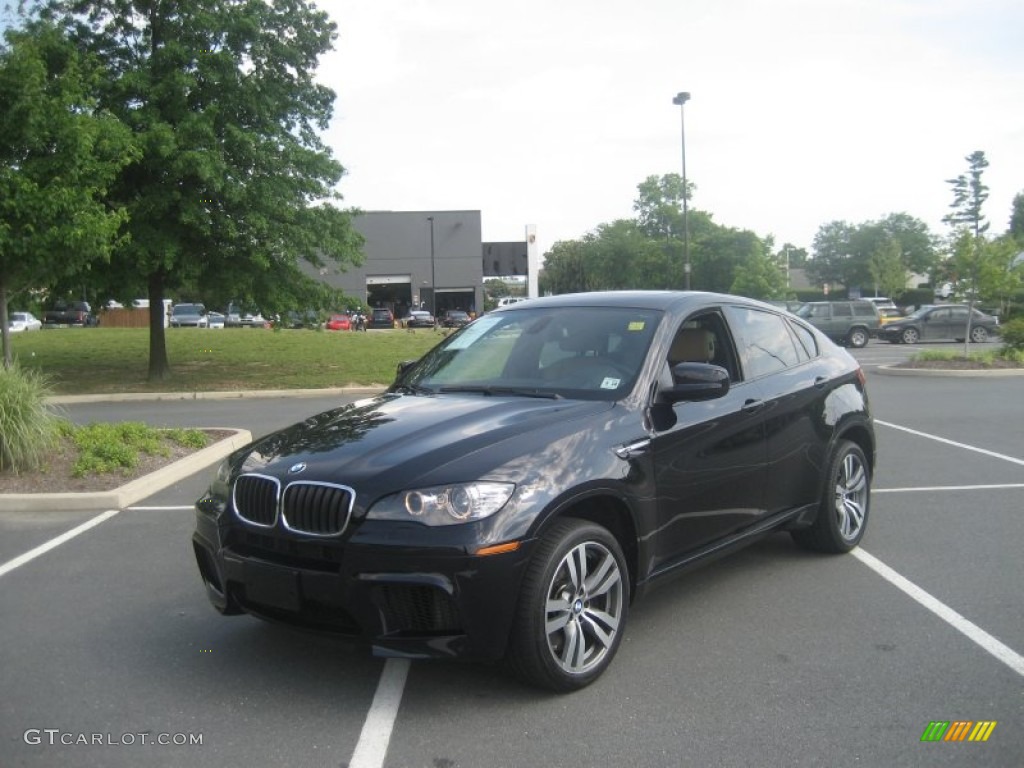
116 447
1012 334
28 427
190 438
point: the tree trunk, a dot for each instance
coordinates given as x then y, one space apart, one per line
158 366
5 336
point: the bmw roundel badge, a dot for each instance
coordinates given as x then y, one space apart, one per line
294 469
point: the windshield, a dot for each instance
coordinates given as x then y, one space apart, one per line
580 352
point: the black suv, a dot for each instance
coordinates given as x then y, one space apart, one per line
381 318
69 313
520 485
845 322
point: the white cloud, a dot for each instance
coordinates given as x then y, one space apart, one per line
802 111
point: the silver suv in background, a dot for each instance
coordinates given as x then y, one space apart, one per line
851 323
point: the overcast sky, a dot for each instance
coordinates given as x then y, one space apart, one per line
552 112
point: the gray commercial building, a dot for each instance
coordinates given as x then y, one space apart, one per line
431 259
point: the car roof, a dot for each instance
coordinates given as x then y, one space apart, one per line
682 301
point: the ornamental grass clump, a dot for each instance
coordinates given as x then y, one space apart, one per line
28 427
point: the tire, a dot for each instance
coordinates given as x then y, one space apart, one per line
572 609
979 335
910 336
846 500
858 338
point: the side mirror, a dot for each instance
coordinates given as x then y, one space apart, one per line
696 381
404 366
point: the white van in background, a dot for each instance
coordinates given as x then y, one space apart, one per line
509 300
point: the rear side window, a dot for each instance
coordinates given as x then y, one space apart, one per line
842 309
766 345
807 345
864 310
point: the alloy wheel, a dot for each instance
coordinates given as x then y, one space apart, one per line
584 605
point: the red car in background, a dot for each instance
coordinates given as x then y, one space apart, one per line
339 323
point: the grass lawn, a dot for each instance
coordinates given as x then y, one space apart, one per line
82 361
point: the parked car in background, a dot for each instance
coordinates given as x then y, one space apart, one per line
237 317
381 318
214 320
518 487
339 322
845 322
17 322
940 322
188 315
455 318
69 313
418 318
888 314
882 302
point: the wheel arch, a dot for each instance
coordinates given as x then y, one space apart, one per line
611 513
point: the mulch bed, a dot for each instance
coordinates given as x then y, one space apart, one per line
55 476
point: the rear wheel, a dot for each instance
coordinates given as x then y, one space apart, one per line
843 510
572 609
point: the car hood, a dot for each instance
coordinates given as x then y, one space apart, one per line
394 440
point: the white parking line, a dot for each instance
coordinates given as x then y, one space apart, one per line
187 508
42 549
380 720
972 631
954 443
928 489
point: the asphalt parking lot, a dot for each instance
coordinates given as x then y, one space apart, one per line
111 656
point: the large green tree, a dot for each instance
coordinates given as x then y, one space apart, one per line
844 253
58 155
234 187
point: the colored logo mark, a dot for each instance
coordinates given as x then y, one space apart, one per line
959 730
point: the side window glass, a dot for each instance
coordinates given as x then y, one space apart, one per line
807 345
843 310
766 345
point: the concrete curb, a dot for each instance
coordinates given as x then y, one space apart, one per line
127 494
980 373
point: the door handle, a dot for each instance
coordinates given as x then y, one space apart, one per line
820 382
753 406
633 449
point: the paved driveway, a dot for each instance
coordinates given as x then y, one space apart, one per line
770 657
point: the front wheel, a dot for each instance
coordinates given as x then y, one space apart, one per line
572 609
843 510
979 335
910 336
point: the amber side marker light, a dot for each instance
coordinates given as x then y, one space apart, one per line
497 549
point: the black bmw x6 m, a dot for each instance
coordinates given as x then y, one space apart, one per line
517 488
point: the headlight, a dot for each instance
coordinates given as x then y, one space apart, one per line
445 504
224 472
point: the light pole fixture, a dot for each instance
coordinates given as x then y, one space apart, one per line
681 98
433 282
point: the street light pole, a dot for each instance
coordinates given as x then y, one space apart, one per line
433 282
681 98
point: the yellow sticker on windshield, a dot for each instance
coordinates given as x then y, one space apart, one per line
636 325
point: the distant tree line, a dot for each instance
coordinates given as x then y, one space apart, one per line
873 257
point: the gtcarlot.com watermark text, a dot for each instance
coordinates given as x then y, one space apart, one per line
54 737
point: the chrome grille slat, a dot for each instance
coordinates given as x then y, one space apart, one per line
255 499
316 509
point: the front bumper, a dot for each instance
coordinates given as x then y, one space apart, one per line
403 601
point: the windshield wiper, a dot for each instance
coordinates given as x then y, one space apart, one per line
492 390
414 389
